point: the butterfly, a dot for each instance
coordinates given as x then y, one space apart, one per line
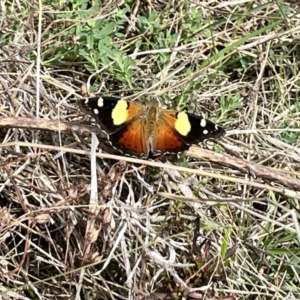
148 130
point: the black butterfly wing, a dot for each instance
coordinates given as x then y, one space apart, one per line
201 129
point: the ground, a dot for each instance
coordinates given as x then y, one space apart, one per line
219 221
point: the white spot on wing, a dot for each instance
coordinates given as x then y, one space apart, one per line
100 102
96 111
216 127
203 123
86 101
205 131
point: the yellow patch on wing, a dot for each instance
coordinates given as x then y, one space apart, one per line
182 124
120 112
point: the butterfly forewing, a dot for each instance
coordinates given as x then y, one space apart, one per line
202 129
101 111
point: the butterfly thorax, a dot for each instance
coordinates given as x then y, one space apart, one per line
152 111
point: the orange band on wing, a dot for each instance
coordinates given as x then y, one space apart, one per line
132 139
166 140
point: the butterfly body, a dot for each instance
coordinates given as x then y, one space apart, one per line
146 130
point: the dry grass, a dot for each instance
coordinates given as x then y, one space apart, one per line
217 223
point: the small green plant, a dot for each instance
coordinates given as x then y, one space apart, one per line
229 103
